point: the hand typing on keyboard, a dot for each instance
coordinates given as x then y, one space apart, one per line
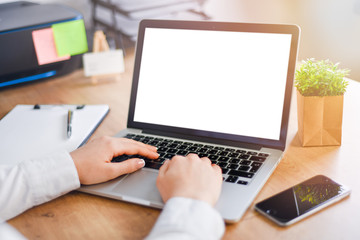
238 165
93 160
190 177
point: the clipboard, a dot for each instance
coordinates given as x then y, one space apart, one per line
28 132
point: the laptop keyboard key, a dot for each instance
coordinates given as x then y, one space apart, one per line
230 150
234 155
244 168
192 149
201 155
153 143
169 156
235 160
172 150
242 182
163 144
244 156
223 164
240 151
213 157
162 149
213 152
233 166
245 162
173 145
256 164
223 159
219 148
241 174
232 179
198 145
256 158
223 153
254 169
182 152
153 165
202 150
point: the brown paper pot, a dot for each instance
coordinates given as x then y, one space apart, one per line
320 120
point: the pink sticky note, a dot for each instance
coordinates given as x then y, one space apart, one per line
45 47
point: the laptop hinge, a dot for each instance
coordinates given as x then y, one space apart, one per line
205 139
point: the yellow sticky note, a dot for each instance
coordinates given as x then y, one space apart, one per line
70 37
45 47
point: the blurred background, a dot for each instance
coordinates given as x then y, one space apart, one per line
330 28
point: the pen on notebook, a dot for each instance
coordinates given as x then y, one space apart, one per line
69 122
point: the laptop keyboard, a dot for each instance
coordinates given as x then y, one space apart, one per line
237 165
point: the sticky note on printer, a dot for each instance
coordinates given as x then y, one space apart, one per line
70 38
45 47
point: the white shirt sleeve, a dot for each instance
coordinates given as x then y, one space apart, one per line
40 180
184 218
9 233
34 182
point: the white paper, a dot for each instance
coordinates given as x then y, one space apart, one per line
27 133
107 62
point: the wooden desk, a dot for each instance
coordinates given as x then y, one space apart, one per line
81 216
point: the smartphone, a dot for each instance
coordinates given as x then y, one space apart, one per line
302 200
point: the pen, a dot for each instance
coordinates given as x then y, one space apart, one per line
69 122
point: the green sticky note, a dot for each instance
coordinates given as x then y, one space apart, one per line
70 38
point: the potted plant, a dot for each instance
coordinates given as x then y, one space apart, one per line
320 95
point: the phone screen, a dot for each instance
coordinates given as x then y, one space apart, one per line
301 199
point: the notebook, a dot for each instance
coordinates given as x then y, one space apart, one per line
213 86
28 132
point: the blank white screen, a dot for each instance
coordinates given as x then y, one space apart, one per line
219 81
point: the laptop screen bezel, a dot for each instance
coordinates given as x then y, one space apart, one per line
217 26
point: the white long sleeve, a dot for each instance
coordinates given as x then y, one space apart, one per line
37 181
34 182
184 218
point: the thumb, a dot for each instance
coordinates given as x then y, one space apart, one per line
128 166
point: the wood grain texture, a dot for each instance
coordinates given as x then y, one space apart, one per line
81 216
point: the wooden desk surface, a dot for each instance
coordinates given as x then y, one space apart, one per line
82 216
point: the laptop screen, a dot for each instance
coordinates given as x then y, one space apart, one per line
220 81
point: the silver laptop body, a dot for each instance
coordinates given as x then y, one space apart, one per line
213 85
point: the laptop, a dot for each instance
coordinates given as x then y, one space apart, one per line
221 90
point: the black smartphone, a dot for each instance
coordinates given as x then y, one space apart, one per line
301 200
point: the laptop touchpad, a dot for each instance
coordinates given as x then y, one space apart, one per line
140 187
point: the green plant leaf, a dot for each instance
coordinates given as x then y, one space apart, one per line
320 78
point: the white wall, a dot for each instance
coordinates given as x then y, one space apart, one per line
330 28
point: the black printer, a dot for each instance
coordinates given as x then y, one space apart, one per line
18 60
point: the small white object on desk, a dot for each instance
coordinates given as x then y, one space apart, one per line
102 60
101 63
